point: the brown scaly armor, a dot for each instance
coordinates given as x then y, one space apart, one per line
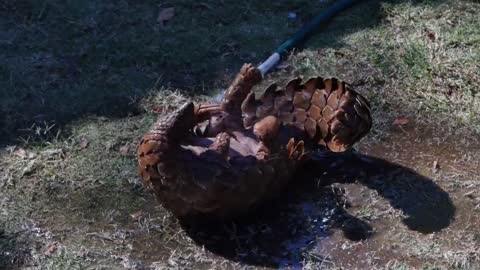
223 159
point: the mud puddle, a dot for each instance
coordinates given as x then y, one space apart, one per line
418 187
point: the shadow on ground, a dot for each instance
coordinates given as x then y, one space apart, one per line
287 231
12 256
64 60
426 206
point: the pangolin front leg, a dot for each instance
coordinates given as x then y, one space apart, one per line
266 130
203 112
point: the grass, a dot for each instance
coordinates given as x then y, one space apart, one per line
80 81
66 60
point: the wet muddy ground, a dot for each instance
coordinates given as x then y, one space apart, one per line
406 199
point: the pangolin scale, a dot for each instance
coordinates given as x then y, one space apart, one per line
224 159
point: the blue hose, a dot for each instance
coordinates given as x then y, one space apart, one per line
303 34
308 29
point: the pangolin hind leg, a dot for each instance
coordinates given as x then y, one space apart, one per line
240 88
227 116
266 130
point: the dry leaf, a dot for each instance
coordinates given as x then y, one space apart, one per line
51 249
401 121
83 143
165 14
20 152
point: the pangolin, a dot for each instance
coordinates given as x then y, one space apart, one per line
224 159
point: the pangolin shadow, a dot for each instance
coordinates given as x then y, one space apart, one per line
286 230
426 206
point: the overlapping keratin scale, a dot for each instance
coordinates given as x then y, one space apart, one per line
328 110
